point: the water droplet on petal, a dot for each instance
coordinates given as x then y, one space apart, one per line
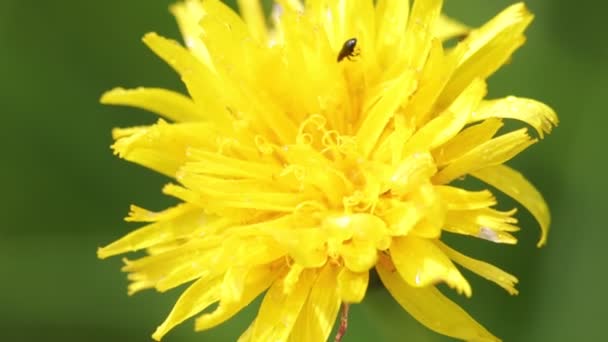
488 234
277 10
190 43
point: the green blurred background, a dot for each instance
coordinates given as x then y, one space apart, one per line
64 194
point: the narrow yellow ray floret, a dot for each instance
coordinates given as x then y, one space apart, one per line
301 170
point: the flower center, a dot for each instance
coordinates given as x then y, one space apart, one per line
349 197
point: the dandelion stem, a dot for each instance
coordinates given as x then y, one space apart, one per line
343 322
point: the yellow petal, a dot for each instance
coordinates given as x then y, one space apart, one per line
391 21
510 23
222 28
431 308
186 195
138 214
329 16
359 227
401 217
319 172
359 256
485 223
130 146
305 245
430 204
169 104
450 122
466 140
490 153
389 98
412 171
201 83
174 267
162 147
237 57
204 254
291 278
352 286
488 48
188 221
233 284
420 31
202 161
460 199
279 310
435 75
234 252
256 281
253 14
534 113
318 315
448 28
218 186
404 129
488 271
164 247
427 229
420 263
195 299
519 188
188 14
180 59
235 281
250 194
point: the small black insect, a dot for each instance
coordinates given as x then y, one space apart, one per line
348 50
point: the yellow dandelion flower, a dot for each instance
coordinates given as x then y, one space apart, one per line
313 151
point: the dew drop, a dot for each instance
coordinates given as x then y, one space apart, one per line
488 234
343 221
190 43
277 11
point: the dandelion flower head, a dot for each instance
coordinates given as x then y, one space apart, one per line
321 144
